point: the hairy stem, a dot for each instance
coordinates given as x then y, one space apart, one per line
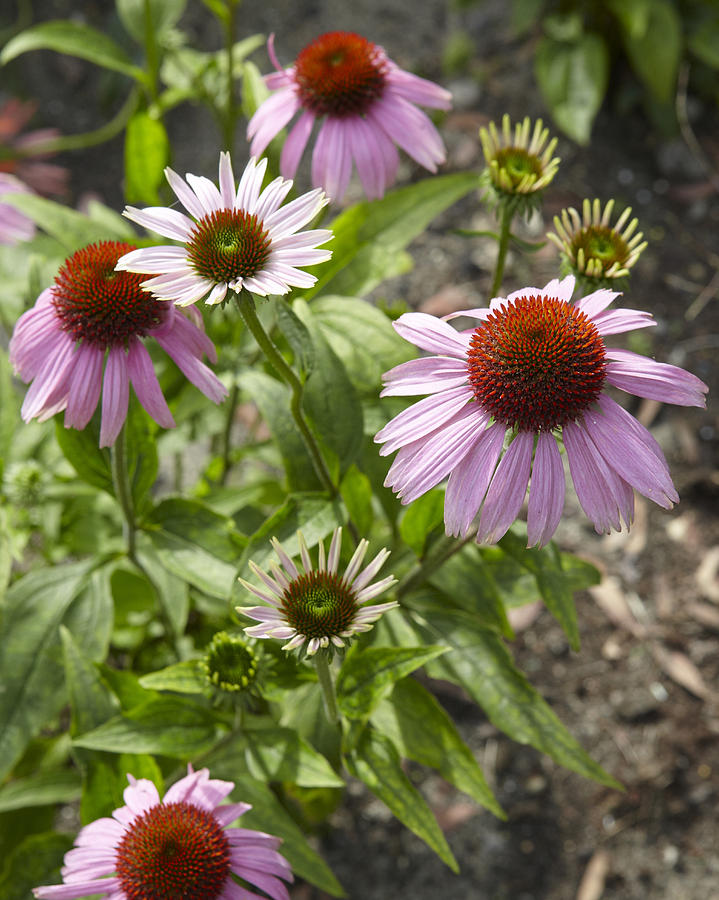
328 686
246 306
505 224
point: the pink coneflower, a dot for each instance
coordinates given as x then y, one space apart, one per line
14 225
314 606
367 106
535 369
93 312
236 238
177 847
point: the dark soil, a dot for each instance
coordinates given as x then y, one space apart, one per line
641 695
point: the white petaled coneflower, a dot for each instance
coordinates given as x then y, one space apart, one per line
314 606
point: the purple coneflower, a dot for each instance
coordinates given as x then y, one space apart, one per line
367 104
83 337
23 153
237 238
535 369
314 605
14 225
179 846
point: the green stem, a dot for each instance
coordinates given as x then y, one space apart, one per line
327 684
504 230
227 434
246 306
445 548
123 494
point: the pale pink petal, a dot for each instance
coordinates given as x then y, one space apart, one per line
332 158
168 222
546 491
270 118
417 90
469 480
410 128
644 377
507 490
427 375
422 417
431 334
147 387
115 397
85 384
295 144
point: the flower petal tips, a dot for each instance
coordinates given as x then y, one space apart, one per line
234 238
532 372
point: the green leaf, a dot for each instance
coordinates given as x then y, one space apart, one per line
194 542
369 238
81 450
72 229
356 492
33 862
172 591
314 514
147 152
30 661
91 700
280 754
421 518
467 584
183 678
376 762
126 687
421 730
273 401
254 89
73 39
362 337
42 789
633 15
656 52
368 675
163 15
572 78
297 336
329 398
554 587
481 664
170 726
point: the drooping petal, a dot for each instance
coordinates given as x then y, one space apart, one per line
644 377
115 396
507 490
546 491
469 480
147 387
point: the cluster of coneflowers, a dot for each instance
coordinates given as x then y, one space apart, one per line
498 399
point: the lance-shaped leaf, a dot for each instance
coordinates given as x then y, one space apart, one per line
368 675
481 664
376 762
73 39
370 237
280 754
421 730
31 670
171 726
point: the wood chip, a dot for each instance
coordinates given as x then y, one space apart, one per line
522 617
681 669
595 876
611 599
707 575
705 613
